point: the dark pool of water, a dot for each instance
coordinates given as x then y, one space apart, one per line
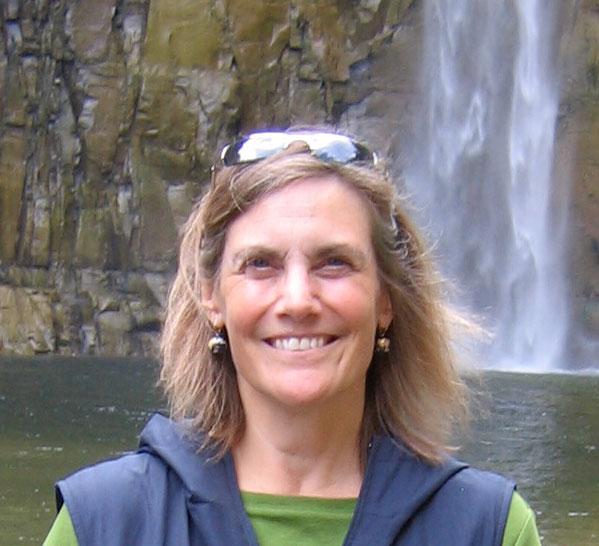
57 415
543 431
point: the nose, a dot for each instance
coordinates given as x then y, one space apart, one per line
298 296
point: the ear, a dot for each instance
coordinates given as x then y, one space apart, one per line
211 302
385 309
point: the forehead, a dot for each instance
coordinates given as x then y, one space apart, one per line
322 206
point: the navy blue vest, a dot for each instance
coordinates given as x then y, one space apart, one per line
166 494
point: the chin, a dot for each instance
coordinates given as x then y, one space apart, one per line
308 391
296 396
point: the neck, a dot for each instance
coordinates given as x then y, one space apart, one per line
306 451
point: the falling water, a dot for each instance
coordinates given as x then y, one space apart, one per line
485 174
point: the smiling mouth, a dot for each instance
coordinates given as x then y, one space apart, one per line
304 343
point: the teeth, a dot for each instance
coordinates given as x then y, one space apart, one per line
299 343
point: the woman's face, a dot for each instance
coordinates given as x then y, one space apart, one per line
299 295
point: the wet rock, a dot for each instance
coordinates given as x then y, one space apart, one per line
255 23
40 238
159 285
146 317
12 181
99 287
92 239
113 327
68 317
184 33
166 125
14 102
14 38
591 316
125 213
158 238
11 10
32 277
148 345
88 25
576 153
26 321
89 339
180 199
135 285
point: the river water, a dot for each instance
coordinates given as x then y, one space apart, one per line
59 414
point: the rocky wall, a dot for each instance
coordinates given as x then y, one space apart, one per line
111 110
110 113
577 162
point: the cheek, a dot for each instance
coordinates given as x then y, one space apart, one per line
356 303
243 304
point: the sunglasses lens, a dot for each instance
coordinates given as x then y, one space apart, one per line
252 148
343 151
325 146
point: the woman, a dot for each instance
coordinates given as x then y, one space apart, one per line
307 360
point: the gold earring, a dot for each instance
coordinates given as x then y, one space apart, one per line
382 343
217 343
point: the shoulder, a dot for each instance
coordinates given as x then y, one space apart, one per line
478 495
114 491
164 453
392 460
449 476
476 484
463 505
123 476
473 503
145 494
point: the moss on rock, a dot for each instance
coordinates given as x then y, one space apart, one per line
26 321
12 180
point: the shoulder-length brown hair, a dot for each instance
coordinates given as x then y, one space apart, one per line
413 393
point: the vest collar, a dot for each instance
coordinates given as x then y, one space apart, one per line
396 483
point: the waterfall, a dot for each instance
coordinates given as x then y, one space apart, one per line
484 177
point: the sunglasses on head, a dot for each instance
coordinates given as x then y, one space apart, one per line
328 147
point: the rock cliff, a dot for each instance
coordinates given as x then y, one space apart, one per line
111 112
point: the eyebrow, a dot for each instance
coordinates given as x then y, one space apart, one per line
253 250
355 254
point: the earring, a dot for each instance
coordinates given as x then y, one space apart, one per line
382 343
217 343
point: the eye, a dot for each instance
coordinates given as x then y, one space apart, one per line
259 267
257 263
336 261
334 266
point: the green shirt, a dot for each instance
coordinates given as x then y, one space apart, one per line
311 521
